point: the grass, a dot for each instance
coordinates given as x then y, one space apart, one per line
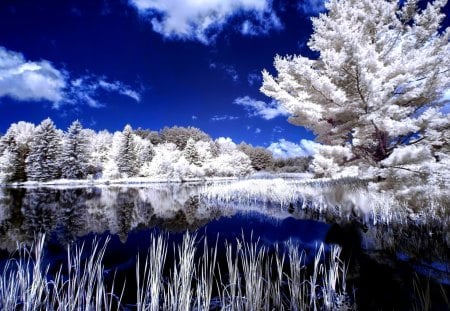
249 276
340 198
24 282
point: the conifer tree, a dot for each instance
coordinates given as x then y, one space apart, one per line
75 157
191 154
43 162
126 158
374 95
16 142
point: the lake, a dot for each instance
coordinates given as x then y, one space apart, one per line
387 267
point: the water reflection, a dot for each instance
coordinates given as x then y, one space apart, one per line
66 214
389 255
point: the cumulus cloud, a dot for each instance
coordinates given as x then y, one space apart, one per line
34 81
259 108
26 80
287 149
204 20
311 7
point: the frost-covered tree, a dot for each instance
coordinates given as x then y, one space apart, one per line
233 163
43 162
292 165
144 150
99 150
7 168
180 135
261 158
376 89
126 157
75 157
162 164
191 153
16 143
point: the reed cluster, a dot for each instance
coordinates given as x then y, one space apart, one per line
243 275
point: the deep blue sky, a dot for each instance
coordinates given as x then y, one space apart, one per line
176 80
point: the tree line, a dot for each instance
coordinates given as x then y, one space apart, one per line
44 152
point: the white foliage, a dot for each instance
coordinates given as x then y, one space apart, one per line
409 155
44 161
233 163
110 169
377 84
6 165
204 150
162 164
23 132
329 160
144 150
99 147
225 145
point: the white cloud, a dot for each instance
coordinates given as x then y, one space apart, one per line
26 80
257 130
229 70
259 27
254 78
223 118
194 117
287 149
311 7
203 20
86 90
278 129
259 108
119 87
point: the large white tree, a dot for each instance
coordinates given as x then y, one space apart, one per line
75 153
126 158
44 161
374 94
15 146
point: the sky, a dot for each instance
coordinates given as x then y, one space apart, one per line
152 63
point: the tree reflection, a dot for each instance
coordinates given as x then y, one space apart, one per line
65 214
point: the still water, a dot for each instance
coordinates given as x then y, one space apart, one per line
384 262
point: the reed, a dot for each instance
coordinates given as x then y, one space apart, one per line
251 276
25 283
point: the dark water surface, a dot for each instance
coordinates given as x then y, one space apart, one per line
384 262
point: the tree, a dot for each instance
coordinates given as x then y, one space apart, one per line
43 162
144 150
75 159
99 150
180 135
292 165
191 154
152 136
376 86
261 158
233 163
126 158
16 142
